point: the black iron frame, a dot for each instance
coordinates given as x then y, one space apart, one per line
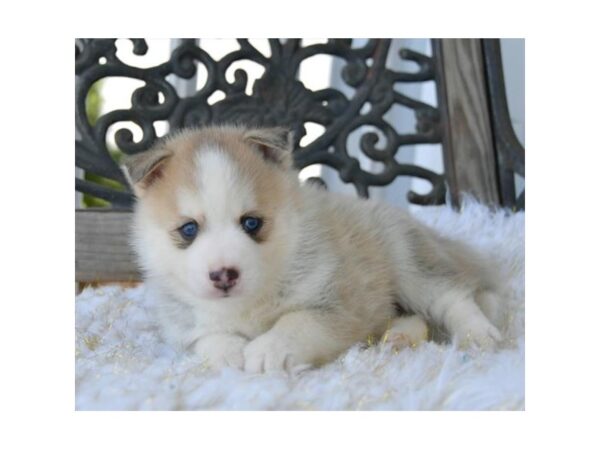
279 98
510 153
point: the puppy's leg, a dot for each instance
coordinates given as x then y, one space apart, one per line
442 280
457 311
298 338
221 350
493 304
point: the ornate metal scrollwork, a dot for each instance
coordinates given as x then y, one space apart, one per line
277 98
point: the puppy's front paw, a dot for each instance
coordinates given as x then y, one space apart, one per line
272 353
222 350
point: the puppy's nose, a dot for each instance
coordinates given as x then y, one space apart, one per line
224 278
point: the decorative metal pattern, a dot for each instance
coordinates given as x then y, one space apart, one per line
278 98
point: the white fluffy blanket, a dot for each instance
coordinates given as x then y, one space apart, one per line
122 364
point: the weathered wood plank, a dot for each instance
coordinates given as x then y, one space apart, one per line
469 157
102 249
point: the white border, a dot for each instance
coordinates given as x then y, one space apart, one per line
562 225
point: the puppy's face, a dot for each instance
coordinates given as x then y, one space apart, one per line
212 211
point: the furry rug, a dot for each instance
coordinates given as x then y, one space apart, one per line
122 364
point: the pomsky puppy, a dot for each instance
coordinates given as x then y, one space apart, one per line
248 268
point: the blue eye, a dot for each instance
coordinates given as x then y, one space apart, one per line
251 225
189 230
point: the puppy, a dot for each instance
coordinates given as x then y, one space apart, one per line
250 269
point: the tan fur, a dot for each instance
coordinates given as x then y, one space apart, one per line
324 272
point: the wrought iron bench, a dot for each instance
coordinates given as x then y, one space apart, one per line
481 153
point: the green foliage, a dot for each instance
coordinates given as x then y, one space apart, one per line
93 102
93 106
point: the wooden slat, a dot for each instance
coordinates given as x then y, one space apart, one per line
469 156
102 249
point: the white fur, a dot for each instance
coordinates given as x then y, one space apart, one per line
224 191
220 196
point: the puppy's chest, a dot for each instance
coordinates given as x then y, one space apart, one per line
250 321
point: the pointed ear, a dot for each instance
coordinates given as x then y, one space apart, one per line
274 144
144 169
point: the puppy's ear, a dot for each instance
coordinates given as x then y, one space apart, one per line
146 168
274 144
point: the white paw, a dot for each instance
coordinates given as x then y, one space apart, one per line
271 352
407 331
480 334
223 350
